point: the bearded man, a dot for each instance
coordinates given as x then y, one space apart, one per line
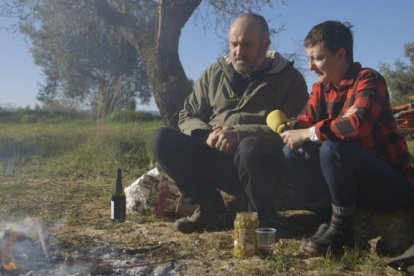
224 143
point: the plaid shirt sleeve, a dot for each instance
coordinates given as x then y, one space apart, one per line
358 114
363 105
309 115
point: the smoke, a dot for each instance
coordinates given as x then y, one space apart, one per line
23 242
36 252
29 226
26 246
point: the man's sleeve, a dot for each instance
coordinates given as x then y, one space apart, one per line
196 111
297 96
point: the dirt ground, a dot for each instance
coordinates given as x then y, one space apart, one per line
76 217
165 251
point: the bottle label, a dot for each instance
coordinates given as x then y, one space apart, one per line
112 210
118 209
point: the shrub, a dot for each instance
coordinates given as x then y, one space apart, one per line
29 116
130 116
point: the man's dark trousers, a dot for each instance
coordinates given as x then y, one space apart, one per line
199 170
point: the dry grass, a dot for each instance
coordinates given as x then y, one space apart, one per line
77 214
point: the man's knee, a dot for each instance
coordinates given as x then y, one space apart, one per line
247 147
252 150
161 139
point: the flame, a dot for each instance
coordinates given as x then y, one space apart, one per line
10 266
7 248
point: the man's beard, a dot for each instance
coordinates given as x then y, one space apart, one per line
244 67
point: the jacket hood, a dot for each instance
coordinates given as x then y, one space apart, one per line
278 62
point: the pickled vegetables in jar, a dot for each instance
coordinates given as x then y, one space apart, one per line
244 234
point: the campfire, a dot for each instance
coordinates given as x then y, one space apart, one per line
20 254
7 250
29 251
22 249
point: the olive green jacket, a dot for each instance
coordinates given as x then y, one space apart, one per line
213 102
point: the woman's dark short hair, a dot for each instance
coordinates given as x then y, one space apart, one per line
334 35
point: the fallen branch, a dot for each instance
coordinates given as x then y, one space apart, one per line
166 260
148 250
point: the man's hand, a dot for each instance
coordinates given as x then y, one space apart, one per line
213 136
224 139
295 137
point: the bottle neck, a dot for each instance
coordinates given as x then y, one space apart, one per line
118 185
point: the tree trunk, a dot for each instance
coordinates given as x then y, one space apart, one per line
156 44
169 83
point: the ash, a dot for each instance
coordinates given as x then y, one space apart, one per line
100 260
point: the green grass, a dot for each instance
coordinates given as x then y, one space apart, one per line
31 116
354 259
80 148
54 171
50 169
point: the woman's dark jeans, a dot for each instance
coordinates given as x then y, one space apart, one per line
351 175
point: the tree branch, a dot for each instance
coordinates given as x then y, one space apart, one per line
114 17
139 31
172 16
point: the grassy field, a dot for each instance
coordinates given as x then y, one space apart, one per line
75 148
63 173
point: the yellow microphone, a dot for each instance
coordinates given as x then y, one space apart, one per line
278 122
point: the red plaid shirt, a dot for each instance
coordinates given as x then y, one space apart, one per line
358 110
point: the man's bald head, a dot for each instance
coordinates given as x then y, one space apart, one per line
256 20
249 42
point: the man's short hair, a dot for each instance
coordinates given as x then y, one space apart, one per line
265 33
334 35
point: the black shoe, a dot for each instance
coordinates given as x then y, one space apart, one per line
210 215
321 229
336 235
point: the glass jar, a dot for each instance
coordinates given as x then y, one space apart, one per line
244 234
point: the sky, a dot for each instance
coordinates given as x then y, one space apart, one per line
381 28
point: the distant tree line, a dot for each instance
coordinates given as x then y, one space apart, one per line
400 80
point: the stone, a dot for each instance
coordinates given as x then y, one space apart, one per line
389 233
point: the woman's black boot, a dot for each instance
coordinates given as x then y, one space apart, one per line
336 235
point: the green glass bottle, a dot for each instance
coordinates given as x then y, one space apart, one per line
118 200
